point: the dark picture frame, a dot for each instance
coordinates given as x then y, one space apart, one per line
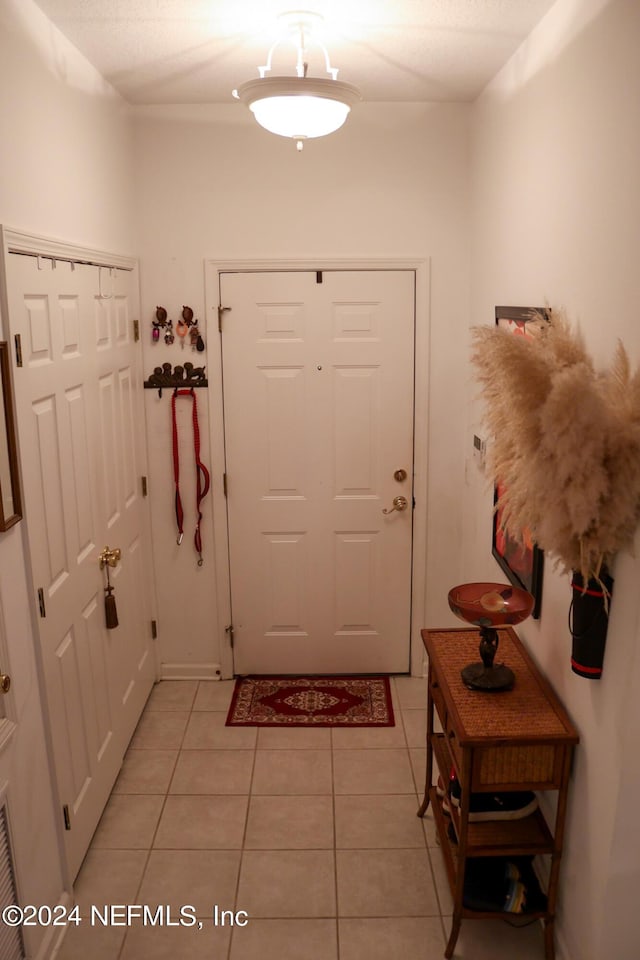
10 494
521 560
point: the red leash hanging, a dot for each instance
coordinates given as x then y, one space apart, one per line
202 474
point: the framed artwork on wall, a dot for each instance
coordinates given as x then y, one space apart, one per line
520 559
10 498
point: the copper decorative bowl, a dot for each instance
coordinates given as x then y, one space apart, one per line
489 605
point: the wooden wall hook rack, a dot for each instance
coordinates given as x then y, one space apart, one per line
183 375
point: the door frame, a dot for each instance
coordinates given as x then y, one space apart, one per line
422 269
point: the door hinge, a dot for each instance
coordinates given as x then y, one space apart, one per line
145 486
154 629
136 331
221 310
18 342
224 484
43 609
67 818
230 631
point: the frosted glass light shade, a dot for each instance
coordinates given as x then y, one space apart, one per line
301 117
299 107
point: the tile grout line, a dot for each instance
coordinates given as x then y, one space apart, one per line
164 802
335 844
236 903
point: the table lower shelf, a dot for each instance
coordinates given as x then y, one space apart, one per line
492 838
451 859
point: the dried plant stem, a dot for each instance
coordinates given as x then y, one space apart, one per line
565 443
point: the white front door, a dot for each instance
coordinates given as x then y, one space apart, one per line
80 426
318 379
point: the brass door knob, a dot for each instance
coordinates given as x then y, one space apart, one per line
110 557
5 682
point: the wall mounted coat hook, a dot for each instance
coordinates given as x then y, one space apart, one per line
180 376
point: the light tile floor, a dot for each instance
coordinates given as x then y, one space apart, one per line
312 833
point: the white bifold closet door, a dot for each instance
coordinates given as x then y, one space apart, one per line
80 427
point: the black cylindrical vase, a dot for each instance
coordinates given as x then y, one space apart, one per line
588 622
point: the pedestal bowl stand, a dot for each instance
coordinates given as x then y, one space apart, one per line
488 606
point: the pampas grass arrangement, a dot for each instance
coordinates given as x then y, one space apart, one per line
565 442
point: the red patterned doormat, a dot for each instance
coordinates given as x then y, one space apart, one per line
311 702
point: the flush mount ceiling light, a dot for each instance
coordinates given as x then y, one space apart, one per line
299 107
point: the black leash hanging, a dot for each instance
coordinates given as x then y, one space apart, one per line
202 474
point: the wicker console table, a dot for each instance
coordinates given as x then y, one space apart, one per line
520 739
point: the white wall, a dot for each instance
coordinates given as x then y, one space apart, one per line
66 138
556 218
65 172
211 184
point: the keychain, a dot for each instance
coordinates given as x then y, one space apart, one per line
160 321
182 330
186 325
197 343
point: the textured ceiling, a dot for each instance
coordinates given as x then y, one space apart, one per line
197 51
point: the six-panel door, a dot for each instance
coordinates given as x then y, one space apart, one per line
318 406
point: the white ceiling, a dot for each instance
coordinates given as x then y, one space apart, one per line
197 51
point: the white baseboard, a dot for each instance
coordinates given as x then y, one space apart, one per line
190 671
